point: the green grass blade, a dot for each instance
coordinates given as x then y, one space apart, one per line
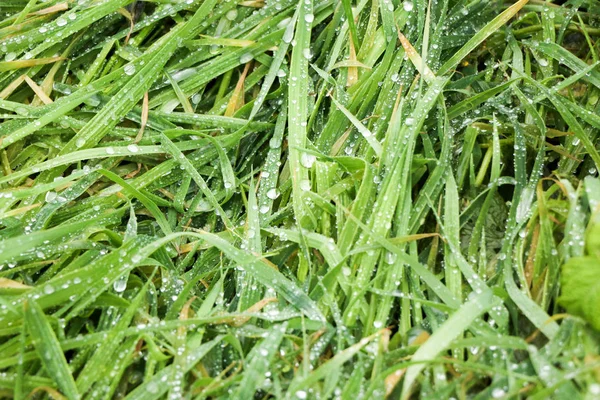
48 348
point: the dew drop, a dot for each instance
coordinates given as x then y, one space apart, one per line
129 69
284 22
231 15
50 196
246 57
133 148
305 185
288 36
120 284
307 160
152 387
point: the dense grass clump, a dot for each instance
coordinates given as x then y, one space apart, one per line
307 199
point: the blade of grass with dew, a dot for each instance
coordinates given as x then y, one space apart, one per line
474 161
258 362
297 112
49 350
480 36
456 324
383 212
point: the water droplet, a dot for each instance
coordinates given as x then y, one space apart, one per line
307 160
272 194
61 21
183 74
284 22
129 69
288 35
10 56
246 57
274 143
50 196
543 62
305 185
120 284
408 6
133 148
231 15
309 18
390 258
152 387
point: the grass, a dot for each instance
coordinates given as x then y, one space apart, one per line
300 200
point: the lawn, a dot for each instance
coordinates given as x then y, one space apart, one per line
313 199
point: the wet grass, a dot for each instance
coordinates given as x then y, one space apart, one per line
302 200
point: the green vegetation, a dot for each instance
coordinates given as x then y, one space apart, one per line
307 199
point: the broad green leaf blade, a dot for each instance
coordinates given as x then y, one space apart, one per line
580 288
